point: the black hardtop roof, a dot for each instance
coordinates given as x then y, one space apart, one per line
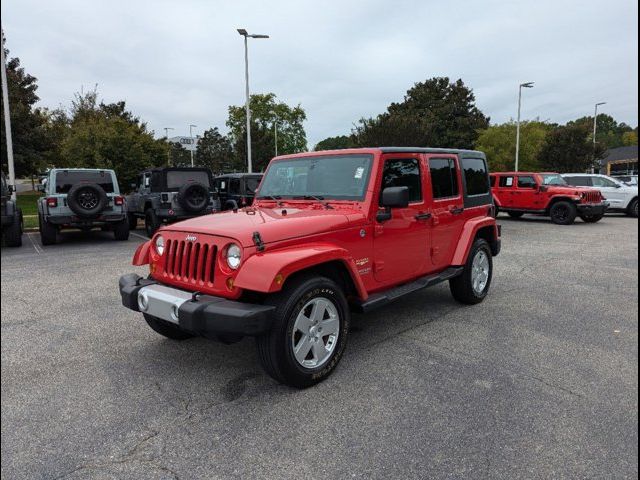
183 169
239 175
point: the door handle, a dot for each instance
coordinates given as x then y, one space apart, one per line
457 211
423 216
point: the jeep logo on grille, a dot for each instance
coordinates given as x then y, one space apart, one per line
191 238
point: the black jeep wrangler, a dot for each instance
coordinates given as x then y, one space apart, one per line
11 216
237 189
167 195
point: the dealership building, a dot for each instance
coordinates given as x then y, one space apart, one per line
620 161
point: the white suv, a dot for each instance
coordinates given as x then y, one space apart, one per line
621 197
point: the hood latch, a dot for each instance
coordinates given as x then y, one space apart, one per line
257 240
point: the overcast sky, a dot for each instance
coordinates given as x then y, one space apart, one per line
177 63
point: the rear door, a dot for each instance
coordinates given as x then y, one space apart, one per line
504 190
447 202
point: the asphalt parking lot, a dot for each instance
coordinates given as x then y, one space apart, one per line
539 381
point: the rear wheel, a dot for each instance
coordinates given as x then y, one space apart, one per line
121 230
13 233
48 233
166 329
309 332
591 218
632 210
563 213
472 286
516 214
151 222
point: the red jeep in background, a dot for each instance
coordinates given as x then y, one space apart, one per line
546 194
329 232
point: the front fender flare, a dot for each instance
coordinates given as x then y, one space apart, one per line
259 272
468 236
141 257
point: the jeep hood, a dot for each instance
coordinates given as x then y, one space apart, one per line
273 224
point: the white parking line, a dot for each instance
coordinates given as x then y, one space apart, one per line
139 236
36 247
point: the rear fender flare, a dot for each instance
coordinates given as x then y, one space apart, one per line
468 236
267 272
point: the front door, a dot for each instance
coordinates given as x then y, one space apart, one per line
526 195
615 195
401 244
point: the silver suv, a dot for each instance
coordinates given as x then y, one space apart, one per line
81 198
621 197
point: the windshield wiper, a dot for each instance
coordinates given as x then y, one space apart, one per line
316 198
269 197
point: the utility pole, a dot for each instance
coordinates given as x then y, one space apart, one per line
192 142
7 123
522 85
275 133
166 135
595 130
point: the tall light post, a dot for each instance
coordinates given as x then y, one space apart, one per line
522 85
595 130
166 135
191 127
7 123
275 132
246 36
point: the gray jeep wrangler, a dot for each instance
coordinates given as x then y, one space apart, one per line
11 216
81 198
167 195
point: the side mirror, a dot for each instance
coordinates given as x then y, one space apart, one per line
392 197
11 188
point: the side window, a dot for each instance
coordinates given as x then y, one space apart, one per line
603 182
403 173
146 180
526 181
234 186
506 182
579 181
475 176
444 178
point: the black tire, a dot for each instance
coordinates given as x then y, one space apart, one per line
563 213
151 222
13 233
133 221
87 200
166 329
275 349
462 287
48 233
516 214
193 197
591 218
121 230
632 209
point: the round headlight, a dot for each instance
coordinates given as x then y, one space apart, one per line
234 256
160 244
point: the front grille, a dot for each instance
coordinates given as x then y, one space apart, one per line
190 262
592 197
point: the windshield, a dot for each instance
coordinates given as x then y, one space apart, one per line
553 179
337 177
65 179
177 178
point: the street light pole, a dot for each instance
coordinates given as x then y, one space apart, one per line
522 85
595 130
275 133
246 36
7 123
166 134
192 142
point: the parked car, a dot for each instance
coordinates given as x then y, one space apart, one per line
630 180
81 198
621 197
546 194
11 215
328 232
166 195
237 189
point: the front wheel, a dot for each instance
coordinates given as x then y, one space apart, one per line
591 218
133 221
13 233
309 332
472 286
151 222
563 213
121 230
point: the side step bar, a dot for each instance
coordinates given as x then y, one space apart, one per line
379 299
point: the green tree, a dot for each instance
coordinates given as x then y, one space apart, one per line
610 133
108 136
499 143
630 138
435 113
335 143
179 156
215 151
266 113
31 143
569 148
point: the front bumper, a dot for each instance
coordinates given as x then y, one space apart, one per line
593 208
203 315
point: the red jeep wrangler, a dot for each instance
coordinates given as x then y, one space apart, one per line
546 194
329 232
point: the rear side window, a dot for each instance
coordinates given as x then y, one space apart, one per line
506 182
67 179
526 181
234 186
403 173
603 182
252 184
579 181
444 178
177 178
475 176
